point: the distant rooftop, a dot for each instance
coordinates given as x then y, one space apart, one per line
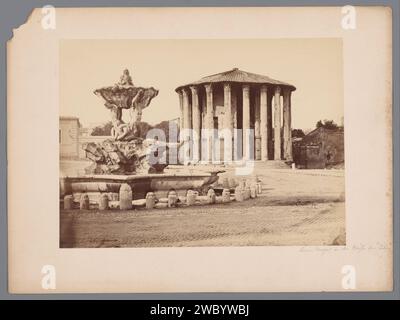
238 76
68 118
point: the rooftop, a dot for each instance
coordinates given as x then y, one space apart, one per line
238 76
69 118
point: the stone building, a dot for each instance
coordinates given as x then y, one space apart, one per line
237 99
72 136
319 149
69 132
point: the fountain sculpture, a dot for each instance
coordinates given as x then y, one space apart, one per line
124 158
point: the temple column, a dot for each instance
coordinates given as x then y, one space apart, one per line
209 121
185 134
234 123
287 130
196 119
246 120
277 124
264 122
186 109
257 131
270 146
180 110
228 121
234 108
203 112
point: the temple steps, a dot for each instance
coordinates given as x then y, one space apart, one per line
272 164
259 165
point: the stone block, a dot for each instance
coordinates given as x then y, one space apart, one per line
211 196
259 187
161 205
125 197
84 202
68 202
139 203
103 202
172 199
239 196
253 191
226 195
150 200
247 193
191 198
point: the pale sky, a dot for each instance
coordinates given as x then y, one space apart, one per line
313 66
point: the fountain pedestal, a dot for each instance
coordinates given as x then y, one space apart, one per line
141 184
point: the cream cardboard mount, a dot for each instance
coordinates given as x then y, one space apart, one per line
197 42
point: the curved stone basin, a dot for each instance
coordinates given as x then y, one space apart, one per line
160 184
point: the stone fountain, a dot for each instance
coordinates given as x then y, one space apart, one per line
125 158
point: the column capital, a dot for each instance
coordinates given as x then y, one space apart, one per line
246 87
185 91
264 88
287 92
277 90
208 87
194 89
227 86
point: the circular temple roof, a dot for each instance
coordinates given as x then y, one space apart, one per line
238 76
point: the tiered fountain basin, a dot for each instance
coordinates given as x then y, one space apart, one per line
141 184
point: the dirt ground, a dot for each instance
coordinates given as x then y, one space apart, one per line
296 207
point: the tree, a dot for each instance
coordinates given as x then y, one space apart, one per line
103 130
143 127
164 126
297 133
327 124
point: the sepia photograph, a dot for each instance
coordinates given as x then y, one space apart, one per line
181 150
171 143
